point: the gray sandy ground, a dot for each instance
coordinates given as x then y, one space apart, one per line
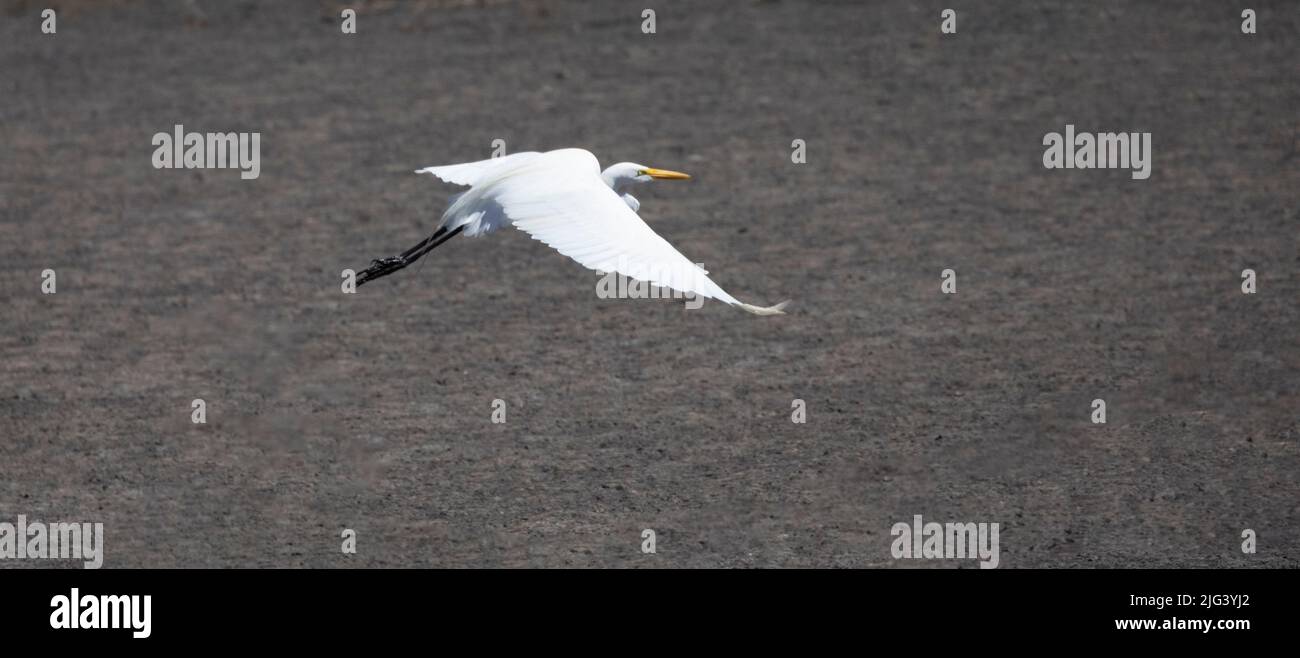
372 411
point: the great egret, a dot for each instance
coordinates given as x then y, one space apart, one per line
564 200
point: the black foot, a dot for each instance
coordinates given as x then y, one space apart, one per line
381 267
385 266
387 262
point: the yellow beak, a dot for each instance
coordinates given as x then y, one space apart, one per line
666 174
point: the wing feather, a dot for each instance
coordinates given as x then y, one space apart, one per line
469 173
578 215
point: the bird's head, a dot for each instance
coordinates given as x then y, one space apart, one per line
625 174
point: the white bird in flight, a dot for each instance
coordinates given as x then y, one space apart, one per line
564 200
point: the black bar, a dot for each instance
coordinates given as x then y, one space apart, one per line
220 608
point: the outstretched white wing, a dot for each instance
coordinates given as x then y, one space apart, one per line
560 199
469 173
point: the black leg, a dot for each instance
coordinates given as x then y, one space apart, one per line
381 267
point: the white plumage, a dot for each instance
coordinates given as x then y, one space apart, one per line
562 199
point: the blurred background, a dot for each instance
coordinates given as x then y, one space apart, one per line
372 412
